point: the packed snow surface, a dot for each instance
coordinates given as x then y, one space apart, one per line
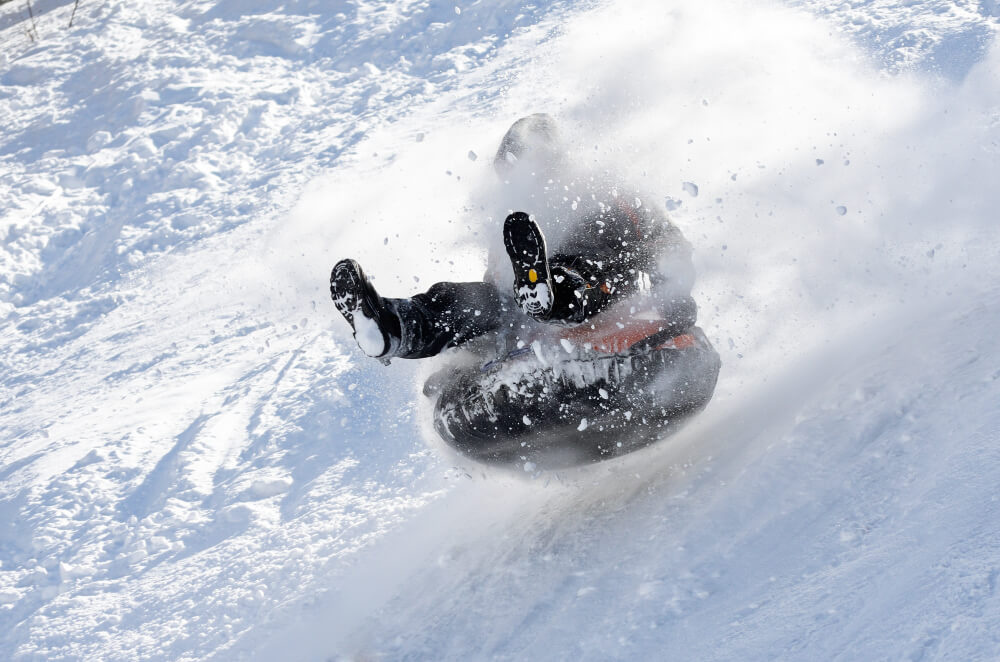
197 462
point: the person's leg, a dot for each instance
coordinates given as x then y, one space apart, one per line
561 289
570 288
447 315
583 288
590 286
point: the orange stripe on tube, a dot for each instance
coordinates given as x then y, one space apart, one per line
608 336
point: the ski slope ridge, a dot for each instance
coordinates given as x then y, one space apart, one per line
197 463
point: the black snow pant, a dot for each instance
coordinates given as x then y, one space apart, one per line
447 315
451 314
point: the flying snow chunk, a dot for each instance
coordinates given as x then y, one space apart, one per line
841 209
536 347
472 155
526 420
603 393
691 189
671 203
529 467
582 426
567 345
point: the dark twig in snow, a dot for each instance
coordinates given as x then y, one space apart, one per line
33 30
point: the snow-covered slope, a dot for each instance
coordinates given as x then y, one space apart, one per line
197 463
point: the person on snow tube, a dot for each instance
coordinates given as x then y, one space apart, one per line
604 246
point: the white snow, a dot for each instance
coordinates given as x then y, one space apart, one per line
534 298
369 335
196 462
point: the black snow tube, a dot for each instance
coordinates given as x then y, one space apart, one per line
592 406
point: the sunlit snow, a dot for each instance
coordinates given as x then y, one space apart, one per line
198 462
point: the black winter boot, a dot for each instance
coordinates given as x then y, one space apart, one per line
525 246
376 327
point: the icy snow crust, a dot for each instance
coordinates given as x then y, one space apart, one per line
196 461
